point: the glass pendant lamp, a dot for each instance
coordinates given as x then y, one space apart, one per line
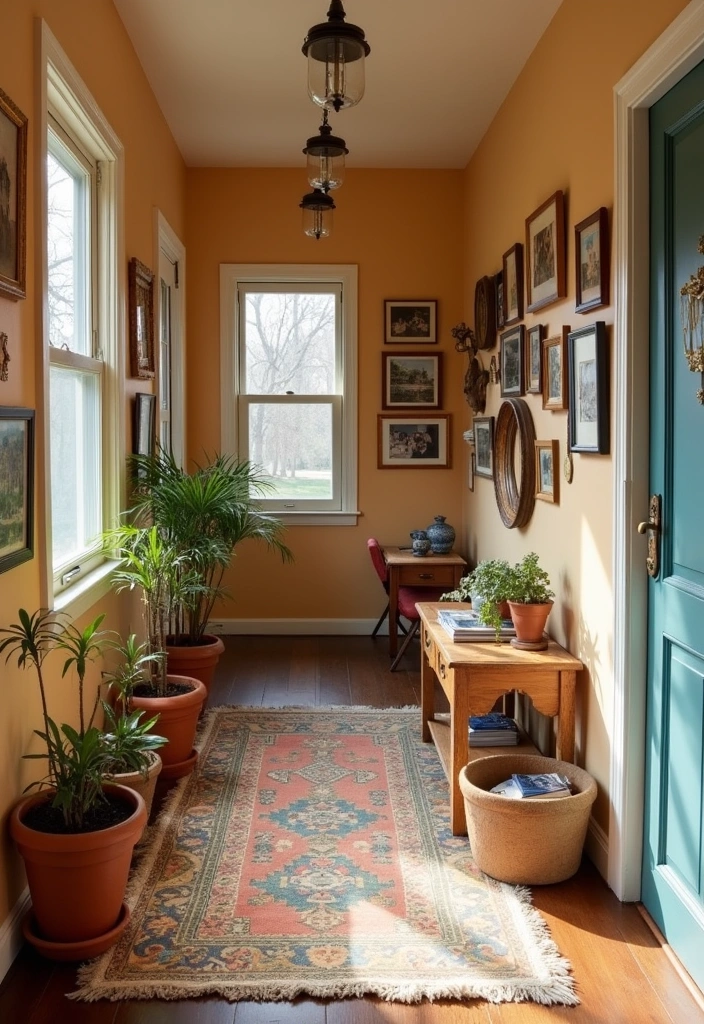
336 52
326 158
317 214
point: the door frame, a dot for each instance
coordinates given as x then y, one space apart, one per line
166 241
679 49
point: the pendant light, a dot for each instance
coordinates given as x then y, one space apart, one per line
336 52
326 158
317 214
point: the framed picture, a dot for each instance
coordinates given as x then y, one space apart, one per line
410 380
144 426
534 360
141 301
410 321
511 368
513 284
546 253
485 313
470 471
13 200
547 475
589 389
499 295
591 246
16 486
484 446
414 442
555 371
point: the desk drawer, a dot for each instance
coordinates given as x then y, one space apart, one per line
431 651
427 576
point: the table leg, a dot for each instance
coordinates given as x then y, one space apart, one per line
566 719
427 690
393 610
459 754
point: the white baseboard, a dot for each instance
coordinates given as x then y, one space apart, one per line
11 935
295 627
596 848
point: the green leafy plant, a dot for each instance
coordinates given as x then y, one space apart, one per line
491 581
129 741
134 667
530 584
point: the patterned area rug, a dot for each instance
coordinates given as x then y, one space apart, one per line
311 853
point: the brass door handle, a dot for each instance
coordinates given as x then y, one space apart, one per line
653 528
644 527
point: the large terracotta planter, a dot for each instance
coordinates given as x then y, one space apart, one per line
178 720
529 620
77 882
198 661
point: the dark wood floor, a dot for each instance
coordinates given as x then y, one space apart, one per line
623 975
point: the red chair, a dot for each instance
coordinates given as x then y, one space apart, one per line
408 597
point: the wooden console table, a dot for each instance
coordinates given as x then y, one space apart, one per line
408 571
473 676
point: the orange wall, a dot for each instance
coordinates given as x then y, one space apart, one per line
403 231
95 41
555 131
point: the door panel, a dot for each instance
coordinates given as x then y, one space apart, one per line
673 856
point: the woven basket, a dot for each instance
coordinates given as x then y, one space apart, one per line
526 842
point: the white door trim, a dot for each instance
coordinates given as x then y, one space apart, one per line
166 241
679 49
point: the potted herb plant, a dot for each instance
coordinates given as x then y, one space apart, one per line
201 516
530 599
487 587
77 833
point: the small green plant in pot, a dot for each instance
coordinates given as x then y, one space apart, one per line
132 748
487 587
530 599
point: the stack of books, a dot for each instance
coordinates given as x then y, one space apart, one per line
521 787
494 730
466 626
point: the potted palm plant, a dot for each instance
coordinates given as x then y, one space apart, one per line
77 833
487 587
201 516
530 599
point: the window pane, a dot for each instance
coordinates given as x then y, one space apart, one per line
293 444
68 253
290 343
75 462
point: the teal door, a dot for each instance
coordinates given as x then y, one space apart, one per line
673 855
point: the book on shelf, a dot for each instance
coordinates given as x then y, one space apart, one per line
492 730
466 625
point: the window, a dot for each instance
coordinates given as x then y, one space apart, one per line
82 443
289 362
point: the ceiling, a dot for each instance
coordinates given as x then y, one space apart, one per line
230 77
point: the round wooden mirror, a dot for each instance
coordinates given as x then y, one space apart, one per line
514 463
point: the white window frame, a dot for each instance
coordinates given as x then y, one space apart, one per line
232 276
63 94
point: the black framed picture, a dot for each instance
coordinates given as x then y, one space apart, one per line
16 486
588 389
144 425
591 237
511 369
534 360
484 446
410 321
499 295
513 284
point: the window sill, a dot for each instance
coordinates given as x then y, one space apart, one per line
318 518
86 592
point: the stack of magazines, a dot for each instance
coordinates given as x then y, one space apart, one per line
493 730
466 626
521 787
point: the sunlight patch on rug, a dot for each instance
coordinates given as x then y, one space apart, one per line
311 853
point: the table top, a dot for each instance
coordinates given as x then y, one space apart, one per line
492 654
405 556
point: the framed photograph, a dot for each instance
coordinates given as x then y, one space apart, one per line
144 426
414 442
546 253
410 321
513 284
589 389
470 471
499 295
484 446
547 471
511 367
410 380
555 371
485 313
141 302
534 360
13 200
591 246
16 486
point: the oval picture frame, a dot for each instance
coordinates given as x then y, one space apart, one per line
514 425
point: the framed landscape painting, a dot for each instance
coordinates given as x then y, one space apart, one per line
512 369
16 486
546 253
589 390
484 446
414 442
547 476
13 199
410 380
410 321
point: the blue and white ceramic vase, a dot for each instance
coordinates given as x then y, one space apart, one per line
421 544
441 536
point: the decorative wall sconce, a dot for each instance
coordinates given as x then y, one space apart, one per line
336 52
317 214
476 378
4 357
692 315
326 158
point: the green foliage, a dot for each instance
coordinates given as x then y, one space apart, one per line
134 668
490 581
128 741
77 764
529 583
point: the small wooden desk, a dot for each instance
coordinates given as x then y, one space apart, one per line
405 569
473 676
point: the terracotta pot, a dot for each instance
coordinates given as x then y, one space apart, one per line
199 662
178 718
77 882
529 620
144 785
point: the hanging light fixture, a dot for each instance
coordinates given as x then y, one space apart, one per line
317 209
326 158
336 52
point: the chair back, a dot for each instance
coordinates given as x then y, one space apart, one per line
378 561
